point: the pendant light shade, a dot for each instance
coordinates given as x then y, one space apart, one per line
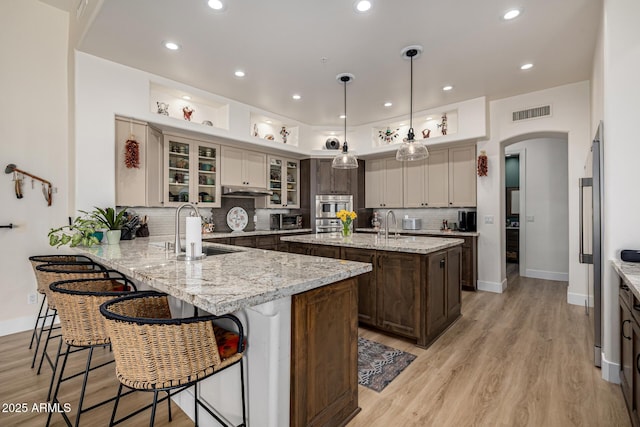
345 159
410 149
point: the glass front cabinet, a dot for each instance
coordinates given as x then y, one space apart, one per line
284 175
191 170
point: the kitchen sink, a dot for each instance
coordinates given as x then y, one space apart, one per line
214 250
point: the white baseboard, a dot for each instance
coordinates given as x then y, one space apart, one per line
610 371
19 324
495 287
579 299
547 275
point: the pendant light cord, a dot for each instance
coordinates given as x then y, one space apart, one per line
344 146
410 135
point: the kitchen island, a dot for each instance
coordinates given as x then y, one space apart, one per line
414 289
290 306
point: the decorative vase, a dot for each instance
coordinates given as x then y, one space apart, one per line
346 229
113 237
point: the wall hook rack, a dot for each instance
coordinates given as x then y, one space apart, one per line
47 188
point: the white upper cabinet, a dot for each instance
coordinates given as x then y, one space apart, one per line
243 168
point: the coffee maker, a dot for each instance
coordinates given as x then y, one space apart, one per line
467 220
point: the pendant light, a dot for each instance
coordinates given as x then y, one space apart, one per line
411 149
345 159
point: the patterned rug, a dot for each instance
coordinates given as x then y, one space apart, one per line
378 364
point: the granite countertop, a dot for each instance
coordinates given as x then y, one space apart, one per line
410 244
630 273
225 283
427 232
225 234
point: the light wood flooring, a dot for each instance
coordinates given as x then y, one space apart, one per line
522 358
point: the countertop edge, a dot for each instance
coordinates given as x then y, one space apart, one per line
630 274
427 232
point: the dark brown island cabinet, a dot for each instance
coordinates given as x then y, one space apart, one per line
412 295
630 350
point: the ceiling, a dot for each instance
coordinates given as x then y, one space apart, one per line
299 46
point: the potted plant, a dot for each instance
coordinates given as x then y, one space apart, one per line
110 220
81 232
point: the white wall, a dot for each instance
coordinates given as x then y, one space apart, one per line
621 53
34 133
546 242
570 116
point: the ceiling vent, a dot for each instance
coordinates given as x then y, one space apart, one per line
531 113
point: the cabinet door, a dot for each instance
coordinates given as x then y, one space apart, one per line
393 183
255 169
292 175
341 181
462 176
374 169
436 315
437 177
276 183
366 284
155 176
324 356
324 251
177 166
627 369
323 176
206 159
131 183
398 296
415 184
635 367
245 241
453 283
232 162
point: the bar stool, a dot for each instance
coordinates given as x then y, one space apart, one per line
178 353
83 327
50 273
45 259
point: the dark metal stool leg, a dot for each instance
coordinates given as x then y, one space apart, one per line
55 367
244 416
55 393
46 343
169 404
153 408
43 328
195 402
35 328
84 385
115 406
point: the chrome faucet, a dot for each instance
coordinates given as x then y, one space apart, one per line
178 248
386 224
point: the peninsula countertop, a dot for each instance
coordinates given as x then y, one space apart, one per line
428 232
410 244
224 283
630 274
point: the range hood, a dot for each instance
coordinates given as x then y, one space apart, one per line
245 192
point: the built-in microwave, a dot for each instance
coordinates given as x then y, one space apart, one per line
285 221
327 206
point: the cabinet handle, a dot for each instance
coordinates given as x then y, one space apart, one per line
622 329
450 203
379 262
637 362
442 262
624 287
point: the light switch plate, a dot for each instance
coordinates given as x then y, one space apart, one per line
530 218
488 219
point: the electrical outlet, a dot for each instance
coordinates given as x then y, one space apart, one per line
32 298
530 218
488 219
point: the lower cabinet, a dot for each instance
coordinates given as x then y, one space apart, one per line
324 355
630 351
411 295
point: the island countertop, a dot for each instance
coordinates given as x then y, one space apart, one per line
428 232
410 244
630 274
224 283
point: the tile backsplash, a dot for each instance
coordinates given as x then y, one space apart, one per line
431 218
162 220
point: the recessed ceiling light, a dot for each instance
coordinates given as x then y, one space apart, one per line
239 73
362 5
342 116
171 45
268 121
296 97
401 124
187 97
447 88
388 104
511 14
429 118
526 66
216 5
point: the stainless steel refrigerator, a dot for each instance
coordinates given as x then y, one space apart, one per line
591 235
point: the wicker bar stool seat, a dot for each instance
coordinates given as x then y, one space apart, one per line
45 259
155 352
78 303
47 273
